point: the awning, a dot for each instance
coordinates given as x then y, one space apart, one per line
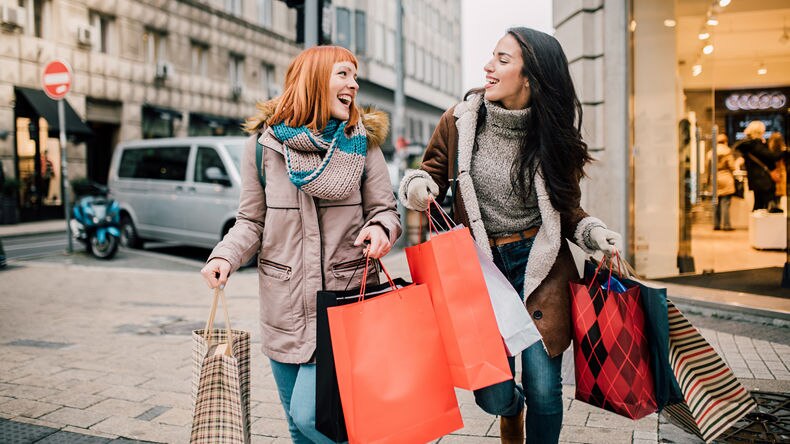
35 102
162 112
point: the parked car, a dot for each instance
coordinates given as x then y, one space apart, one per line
182 190
2 255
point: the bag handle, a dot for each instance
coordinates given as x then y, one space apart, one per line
598 269
364 285
433 223
218 293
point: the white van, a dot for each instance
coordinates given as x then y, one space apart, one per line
183 190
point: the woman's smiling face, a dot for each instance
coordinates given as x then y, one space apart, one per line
342 89
504 81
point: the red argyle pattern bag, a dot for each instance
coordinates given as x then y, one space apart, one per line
611 353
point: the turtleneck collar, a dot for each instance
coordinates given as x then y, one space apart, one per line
506 121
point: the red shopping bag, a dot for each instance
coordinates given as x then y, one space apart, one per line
447 263
392 372
610 350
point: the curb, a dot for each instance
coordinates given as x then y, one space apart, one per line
33 233
730 311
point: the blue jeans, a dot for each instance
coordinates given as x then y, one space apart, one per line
296 387
541 380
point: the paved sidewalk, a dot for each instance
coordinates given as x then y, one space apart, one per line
107 352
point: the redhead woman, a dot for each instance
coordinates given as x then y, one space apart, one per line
514 154
327 201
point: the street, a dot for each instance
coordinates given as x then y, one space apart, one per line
103 348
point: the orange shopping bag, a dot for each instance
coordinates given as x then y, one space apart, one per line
448 264
391 368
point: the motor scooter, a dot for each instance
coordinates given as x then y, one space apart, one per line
96 221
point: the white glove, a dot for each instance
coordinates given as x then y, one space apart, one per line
608 241
420 192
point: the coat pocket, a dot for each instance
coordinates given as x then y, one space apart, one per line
276 296
348 274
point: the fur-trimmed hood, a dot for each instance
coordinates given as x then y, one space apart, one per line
377 123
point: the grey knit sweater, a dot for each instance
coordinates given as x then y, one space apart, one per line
498 143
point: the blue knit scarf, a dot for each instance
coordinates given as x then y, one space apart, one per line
327 164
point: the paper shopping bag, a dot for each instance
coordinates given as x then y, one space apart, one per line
392 372
611 354
329 418
447 263
220 382
513 320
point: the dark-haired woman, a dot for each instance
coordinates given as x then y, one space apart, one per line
514 155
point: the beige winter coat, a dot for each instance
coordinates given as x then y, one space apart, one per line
725 165
306 244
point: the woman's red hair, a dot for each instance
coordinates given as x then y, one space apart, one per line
305 101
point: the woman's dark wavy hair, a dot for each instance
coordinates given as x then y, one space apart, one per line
553 137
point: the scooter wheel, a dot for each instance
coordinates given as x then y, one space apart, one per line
106 249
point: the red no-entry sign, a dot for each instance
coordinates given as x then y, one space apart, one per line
56 79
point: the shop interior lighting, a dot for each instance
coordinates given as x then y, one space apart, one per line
723 3
708 48
703 34
762 70
712 20
669 23
696 69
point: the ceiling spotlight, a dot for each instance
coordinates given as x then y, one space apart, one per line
703 34
723 3
696 70
669 23
712 20
708 48
762 70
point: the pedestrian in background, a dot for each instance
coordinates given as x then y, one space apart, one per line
725 183
776 143
759 161
520 155
327 192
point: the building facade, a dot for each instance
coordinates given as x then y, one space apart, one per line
163 68
658 82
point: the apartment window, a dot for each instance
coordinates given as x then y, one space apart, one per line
265 13
360 32
419 66
391 47
38 17
343 23
233 6
236 70
428 68
267 79
437 75
155 46
199 58
379 41
102 27
409 58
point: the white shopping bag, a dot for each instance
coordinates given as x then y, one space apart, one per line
514 322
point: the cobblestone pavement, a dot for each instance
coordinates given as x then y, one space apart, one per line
106 352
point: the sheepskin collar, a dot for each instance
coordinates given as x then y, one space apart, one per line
549 237
376 122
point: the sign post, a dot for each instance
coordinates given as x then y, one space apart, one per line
56 81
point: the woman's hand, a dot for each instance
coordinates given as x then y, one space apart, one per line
419 193
606 240
379 242
216 272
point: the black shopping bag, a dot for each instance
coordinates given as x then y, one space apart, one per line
329 418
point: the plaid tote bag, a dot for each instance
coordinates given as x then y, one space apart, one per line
220 382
